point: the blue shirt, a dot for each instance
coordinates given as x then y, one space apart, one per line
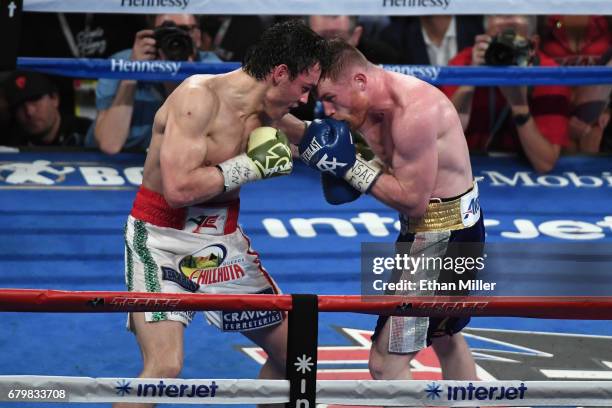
148 98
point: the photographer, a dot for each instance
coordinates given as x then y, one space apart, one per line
126 108
520 119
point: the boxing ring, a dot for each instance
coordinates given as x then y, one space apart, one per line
304 389
66 235
63 232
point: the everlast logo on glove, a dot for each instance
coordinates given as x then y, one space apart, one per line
312 148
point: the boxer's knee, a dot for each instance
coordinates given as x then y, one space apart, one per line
163 365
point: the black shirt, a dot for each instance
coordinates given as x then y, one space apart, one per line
71 132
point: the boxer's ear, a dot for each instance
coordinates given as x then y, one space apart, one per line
361 80
280 73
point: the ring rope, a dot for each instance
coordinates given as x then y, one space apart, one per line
42 300
362 392
436 75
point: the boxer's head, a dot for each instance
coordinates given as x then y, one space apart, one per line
343 84
289 56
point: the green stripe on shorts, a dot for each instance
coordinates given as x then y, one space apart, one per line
152 283
129 263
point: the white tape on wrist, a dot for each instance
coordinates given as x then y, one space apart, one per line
363 174
238 171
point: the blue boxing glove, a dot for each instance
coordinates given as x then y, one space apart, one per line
338 191
327 145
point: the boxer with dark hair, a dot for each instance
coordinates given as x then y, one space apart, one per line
213 134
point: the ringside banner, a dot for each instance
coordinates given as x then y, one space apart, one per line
572 203
306 7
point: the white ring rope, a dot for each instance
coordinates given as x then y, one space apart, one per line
306 7
361 392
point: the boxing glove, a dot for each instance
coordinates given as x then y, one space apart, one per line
338 191
268 155
327 145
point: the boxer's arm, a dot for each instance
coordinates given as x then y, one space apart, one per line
409 185
293 127
184 146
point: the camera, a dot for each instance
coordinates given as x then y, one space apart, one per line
175 42
509 48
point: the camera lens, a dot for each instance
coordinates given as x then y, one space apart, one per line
174 42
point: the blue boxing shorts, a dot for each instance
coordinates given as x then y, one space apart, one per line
451 228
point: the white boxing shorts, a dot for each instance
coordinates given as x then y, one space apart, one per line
200 249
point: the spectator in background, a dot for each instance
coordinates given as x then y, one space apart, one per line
34 99
76 35
126 108
348 29
533 121
581 41
231 36
5 113
431 40
373 25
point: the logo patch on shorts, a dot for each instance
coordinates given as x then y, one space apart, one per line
209 221
211 256
209 266
171 275
250 320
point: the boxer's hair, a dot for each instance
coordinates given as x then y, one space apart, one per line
341 56
291 43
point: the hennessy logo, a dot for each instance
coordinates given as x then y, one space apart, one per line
416 3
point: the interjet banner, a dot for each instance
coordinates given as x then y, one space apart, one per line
306 7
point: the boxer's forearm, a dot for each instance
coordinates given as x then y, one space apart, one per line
404 197
293 127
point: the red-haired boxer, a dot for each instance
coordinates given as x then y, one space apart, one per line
422 170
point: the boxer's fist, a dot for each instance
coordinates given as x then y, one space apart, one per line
268 155
268 149
328 146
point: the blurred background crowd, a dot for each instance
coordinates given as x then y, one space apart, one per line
116 115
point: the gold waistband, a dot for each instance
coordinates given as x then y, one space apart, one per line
439 216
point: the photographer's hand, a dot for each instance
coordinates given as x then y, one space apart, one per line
144 46
481 43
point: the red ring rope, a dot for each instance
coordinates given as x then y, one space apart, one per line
41 300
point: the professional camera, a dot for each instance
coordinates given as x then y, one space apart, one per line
175 42
509 48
